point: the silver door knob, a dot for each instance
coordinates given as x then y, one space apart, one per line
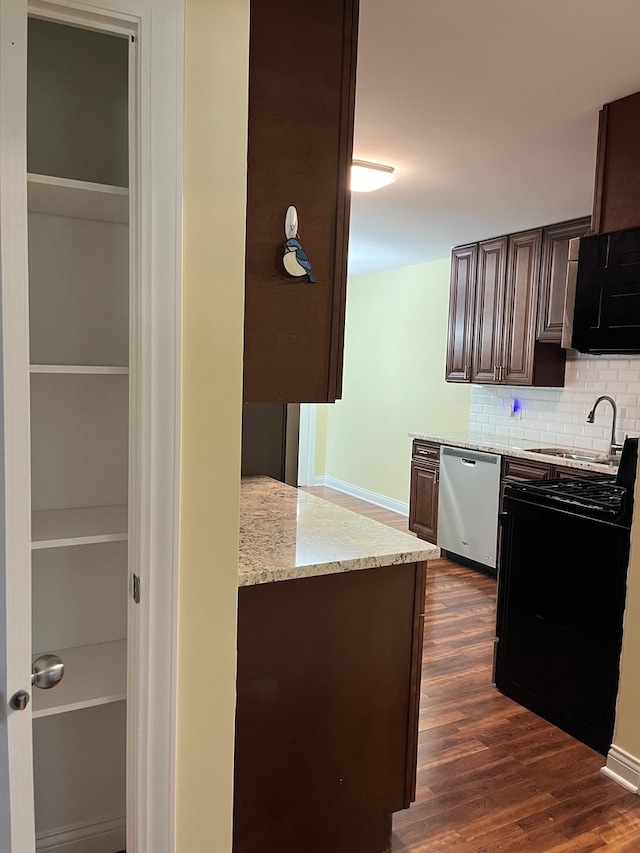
19 700
47 670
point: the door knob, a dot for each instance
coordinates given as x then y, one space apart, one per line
47 670
19 700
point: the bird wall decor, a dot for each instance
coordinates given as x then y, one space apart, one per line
294 259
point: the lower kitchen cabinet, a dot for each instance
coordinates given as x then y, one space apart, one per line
516 470
423 502
425 483
327 711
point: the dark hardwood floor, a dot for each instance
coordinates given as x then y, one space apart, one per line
492 776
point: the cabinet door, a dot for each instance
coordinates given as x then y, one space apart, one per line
299 153
464 260
573 473
516 470
521 299
616 199
488 312
553 275
423 502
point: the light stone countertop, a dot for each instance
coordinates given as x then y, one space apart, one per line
521 449
286 533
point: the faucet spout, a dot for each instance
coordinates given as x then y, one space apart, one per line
613 446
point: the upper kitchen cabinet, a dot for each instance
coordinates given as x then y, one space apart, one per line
494 310
616 200
464 262
553 276
301 107
488 315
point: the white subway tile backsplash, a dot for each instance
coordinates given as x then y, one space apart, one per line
558 415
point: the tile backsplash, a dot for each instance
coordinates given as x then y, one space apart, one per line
558 416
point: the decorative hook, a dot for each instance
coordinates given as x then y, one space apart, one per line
294 259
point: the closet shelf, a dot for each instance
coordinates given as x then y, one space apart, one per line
77 199
85 369
59 528
93 675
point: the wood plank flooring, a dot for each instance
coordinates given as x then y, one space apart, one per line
492 776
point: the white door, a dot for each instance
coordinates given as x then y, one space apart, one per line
154 113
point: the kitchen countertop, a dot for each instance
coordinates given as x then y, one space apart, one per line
518 448
286 533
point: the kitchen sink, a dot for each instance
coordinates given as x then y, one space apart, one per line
563 453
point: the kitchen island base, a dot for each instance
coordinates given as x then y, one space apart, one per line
327 713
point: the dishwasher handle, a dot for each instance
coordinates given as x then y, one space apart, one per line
468 461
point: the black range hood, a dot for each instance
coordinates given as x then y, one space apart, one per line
606 316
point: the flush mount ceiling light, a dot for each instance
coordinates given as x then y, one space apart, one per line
366 177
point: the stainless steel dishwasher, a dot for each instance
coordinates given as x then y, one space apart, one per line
468 504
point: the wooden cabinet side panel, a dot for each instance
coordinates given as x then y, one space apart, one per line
553 276
489 307
464 260
521 293
325 675
416 677
300 147
423 500
617 193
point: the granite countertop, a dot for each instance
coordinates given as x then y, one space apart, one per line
286 533
519 448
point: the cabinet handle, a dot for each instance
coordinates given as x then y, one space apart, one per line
501 373
495 373
467 371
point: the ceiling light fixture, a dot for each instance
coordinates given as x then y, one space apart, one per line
366 177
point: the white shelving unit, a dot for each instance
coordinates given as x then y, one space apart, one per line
79 298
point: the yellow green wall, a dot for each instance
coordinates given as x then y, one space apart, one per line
216 64
627 731
395 344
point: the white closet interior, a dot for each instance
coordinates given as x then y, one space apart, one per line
78 163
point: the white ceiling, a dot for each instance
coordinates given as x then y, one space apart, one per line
488 109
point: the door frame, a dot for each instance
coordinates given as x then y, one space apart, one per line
156 111
307 444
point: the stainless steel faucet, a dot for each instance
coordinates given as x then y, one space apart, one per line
613 447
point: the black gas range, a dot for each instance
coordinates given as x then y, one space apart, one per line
564 553
600 498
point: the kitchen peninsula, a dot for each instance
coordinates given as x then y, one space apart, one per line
330 623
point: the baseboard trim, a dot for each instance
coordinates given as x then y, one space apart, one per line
98 836
364 495
623 768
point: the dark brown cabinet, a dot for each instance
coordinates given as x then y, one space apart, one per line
516 470
488 315
506 305
553 275
505 349
616 198
299 154
423 501
464 260
327 711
